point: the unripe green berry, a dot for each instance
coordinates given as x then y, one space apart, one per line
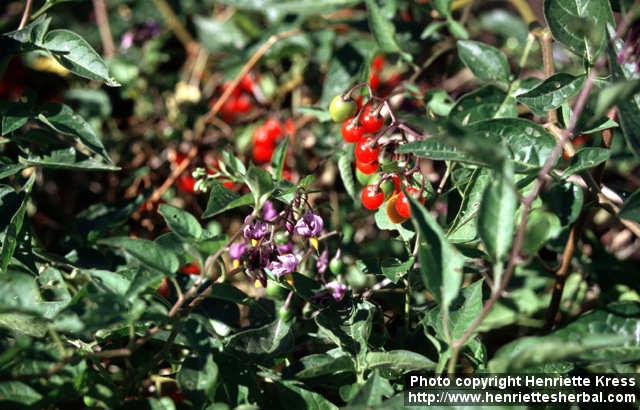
340 109
336 265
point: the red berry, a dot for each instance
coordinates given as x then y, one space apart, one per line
236 91
367 168
352 131
367 150
178 158
372 197
402 203
246 83
190 269
273 128
262 137
242 104
289 127
228 184
370 120
374 81
164 289
377 63
262 152
186 183
577 142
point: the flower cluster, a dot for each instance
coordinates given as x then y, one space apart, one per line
276 242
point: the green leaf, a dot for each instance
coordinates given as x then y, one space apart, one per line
278 158
372 391
552 92
317 365
12 231
351 333
394 269
266 342
147 252
8 168
14 117
346 173
631 208
261 185
436 149
399 360
294 396
486 102
68 158
440 263
614 93
75 54
485 61
383 30
629 108
181 222
383 222
578 25
496 216
605 335
586 158
541 227
18 392
463 312
61 118
464 227
216 35
198 374
222 199
528 143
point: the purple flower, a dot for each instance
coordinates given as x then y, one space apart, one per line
323 261
338 290
255 229
285 264
237 249
269 212
126 41
310 225
258 258
286 247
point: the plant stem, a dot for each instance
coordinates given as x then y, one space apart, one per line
561 277
100 9
25 14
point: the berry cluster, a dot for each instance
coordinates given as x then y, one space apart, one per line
266 138
241 100
365 127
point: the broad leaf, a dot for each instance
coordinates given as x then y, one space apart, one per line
485 61
631 208
18 392
486 102
75 54
440 263
181 222
150 254
399 360
383 30
552 92
222 199
586 158
496 216
579 25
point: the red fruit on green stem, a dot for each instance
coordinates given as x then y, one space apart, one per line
367 150
372 197
377 63
367 167
402 203
273 127
164 289
371 120
352 131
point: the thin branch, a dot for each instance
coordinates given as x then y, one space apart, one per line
100 9
25 14
561 277
174 24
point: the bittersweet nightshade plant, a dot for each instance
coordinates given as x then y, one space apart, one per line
267 205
